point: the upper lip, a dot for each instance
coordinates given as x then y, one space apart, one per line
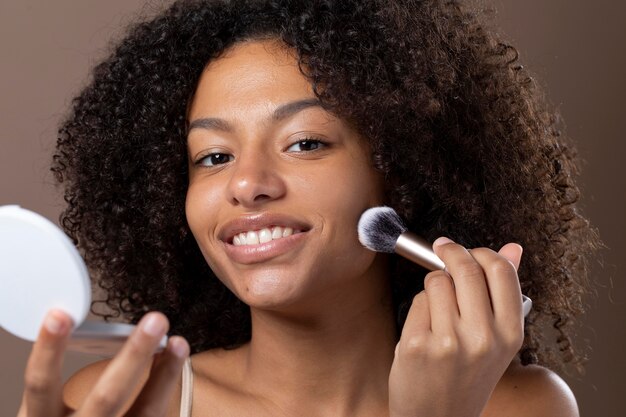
257 222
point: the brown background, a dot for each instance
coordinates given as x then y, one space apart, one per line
575 49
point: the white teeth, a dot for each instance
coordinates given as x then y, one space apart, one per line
252 238
263 236
277 232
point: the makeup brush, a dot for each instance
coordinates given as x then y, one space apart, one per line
382 230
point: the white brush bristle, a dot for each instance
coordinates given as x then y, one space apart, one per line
379 229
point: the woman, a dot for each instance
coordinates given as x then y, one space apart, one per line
215 170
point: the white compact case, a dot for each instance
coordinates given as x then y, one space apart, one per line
41 269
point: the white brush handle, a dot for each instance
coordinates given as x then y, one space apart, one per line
418 250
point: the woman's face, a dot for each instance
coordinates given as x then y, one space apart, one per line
264 159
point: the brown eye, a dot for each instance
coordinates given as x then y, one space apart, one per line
214 159
306 145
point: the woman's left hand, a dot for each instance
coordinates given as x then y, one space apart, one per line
460 334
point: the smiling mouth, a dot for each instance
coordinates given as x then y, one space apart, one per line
267 234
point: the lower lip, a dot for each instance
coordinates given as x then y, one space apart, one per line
252 254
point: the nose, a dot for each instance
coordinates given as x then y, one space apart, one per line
254 182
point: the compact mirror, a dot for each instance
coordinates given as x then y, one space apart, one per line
41 269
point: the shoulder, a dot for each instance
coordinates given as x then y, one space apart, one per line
80 384
222 366
531 391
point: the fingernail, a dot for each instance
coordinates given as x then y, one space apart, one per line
54 323
179 348
153 326
442 241
521 252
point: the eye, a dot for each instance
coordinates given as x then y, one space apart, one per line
214 159
306 145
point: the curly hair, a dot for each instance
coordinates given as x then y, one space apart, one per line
468 146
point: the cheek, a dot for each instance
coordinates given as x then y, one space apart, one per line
347 190
339 195
200 208
193 208
341 257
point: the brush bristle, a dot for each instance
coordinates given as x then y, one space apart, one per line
379 229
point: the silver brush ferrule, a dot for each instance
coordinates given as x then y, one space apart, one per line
418 250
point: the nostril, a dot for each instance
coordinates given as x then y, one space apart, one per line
256 199
248 188
262 197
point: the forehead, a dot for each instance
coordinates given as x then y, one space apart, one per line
248 73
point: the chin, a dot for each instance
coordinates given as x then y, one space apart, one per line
268 289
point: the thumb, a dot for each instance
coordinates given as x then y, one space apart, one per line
513 253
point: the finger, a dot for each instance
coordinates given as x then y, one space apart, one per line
512 252
157 393
42 378
444 310
118 382
416 328
468 276
504 287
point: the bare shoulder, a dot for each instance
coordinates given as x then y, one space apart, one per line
80 384
531 391
220 367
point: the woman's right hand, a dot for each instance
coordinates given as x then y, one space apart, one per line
43 393
461 333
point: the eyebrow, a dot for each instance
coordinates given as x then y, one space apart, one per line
282 112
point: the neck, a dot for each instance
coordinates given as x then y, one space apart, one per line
337 357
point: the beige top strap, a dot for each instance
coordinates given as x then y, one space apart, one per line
186 396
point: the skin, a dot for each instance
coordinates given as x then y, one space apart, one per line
321 310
